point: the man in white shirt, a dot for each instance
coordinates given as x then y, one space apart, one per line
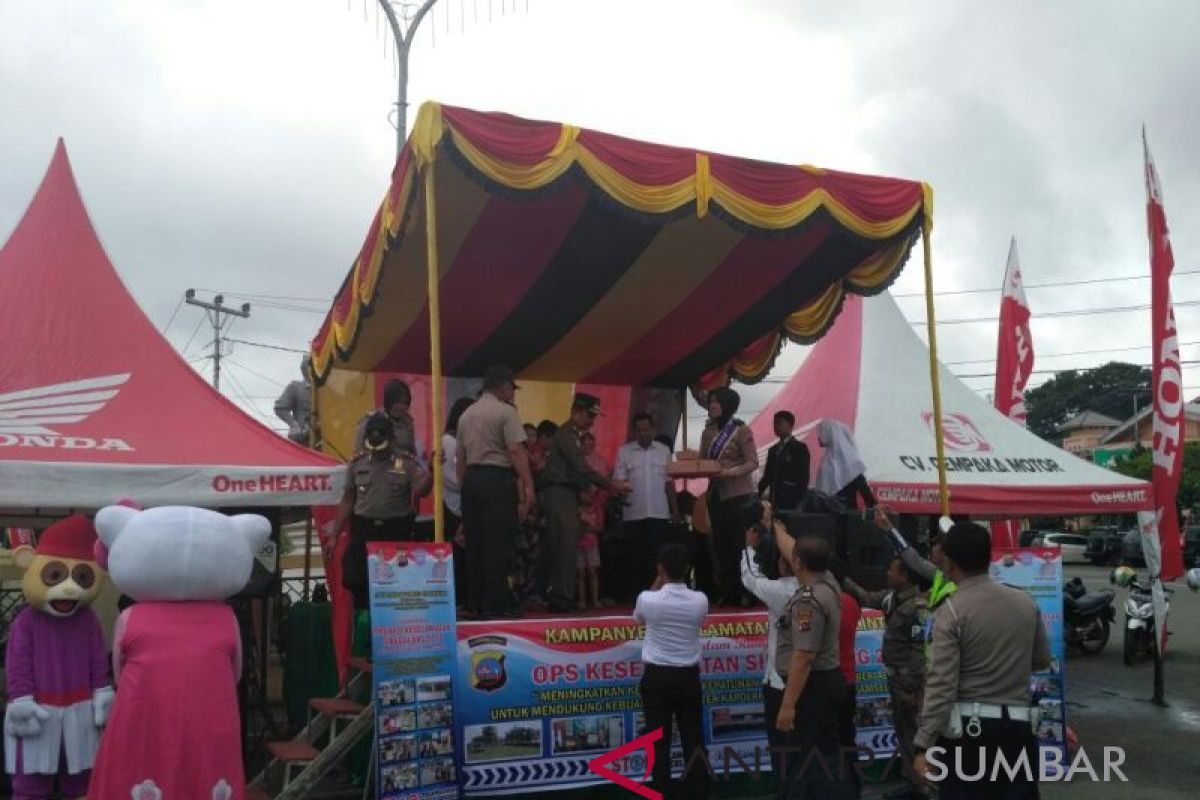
673 614
767 574
651 503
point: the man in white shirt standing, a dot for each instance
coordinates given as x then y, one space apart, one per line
673 614
767 574
651 503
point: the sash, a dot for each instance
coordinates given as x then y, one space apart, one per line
714 450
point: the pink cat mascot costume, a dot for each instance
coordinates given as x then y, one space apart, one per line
174 733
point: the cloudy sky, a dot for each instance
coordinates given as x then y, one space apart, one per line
243 145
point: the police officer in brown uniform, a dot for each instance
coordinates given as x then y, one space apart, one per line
567 473
988 639
379 500
497 491
904 614
812 712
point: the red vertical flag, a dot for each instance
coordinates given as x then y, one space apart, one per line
1014 363
1168 378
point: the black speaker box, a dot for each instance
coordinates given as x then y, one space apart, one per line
857 542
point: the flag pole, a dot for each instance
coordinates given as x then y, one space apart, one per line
435 347
935 383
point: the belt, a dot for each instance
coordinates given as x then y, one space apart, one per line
994 711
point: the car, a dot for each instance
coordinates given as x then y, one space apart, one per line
1131 549
1104 546
1072 547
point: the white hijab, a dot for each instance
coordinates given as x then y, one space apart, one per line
841 462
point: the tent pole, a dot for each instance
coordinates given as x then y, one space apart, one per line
934 379
435 349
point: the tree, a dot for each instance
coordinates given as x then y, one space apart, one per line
1139 464
1108 390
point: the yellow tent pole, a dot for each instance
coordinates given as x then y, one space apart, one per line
934 379
435 350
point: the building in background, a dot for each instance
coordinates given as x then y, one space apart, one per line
1126 436
1085 431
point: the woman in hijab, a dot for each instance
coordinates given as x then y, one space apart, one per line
729 441
841 473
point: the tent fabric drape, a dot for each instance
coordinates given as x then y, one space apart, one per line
576 255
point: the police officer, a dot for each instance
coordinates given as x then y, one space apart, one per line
567 473
379 500
397 405
903 657
814 706
988 639
497 491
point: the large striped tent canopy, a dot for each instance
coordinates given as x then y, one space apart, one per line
575 255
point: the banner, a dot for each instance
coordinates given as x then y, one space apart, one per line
1168 441
1039 573
412 646
1014 363
538 699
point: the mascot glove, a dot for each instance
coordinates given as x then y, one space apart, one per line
23 719
102 700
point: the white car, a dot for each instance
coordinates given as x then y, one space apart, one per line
1072 546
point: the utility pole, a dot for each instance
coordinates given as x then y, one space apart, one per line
404 41
215 310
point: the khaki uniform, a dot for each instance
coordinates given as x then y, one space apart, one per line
988 639
383 510
404 435
810 622
726 497
489 501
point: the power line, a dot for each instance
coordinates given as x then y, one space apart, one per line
255 372
1065 355
193 336
1047 285
266 346
174 314
1076 312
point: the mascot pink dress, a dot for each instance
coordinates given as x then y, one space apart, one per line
174 732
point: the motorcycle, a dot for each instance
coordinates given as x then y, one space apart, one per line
1139 622
1087 618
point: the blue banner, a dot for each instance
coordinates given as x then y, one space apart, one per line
413 650
1039 572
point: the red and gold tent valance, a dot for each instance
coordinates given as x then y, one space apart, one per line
574 255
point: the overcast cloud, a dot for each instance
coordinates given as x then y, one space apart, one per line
242 145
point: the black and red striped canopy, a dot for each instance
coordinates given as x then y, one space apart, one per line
574 255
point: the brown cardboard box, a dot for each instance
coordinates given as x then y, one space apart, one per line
693 468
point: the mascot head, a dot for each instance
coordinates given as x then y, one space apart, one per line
177 553
61 575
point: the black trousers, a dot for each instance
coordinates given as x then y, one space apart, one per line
729 538
489 505
561 545
673 695
354 557
452 522
648 536
816 765
1006 736
772 701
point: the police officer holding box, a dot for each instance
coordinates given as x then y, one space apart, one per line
379 500
988 639
815 701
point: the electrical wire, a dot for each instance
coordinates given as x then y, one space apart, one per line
192 338
255 372
1075 312
1047 285
174 314
266 346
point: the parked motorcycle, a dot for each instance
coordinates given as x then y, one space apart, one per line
1087 617
1139 616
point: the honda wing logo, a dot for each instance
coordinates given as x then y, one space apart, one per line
600 764
26 415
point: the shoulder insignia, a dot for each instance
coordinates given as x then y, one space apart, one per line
803 619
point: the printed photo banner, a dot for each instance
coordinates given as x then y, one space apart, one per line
1039 573
536 700
413 649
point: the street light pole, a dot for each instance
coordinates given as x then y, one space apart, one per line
404 40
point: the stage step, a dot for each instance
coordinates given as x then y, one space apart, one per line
335 706
293 752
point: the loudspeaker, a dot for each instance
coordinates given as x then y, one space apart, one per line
856 541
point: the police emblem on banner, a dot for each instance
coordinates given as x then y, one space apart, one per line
488 672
